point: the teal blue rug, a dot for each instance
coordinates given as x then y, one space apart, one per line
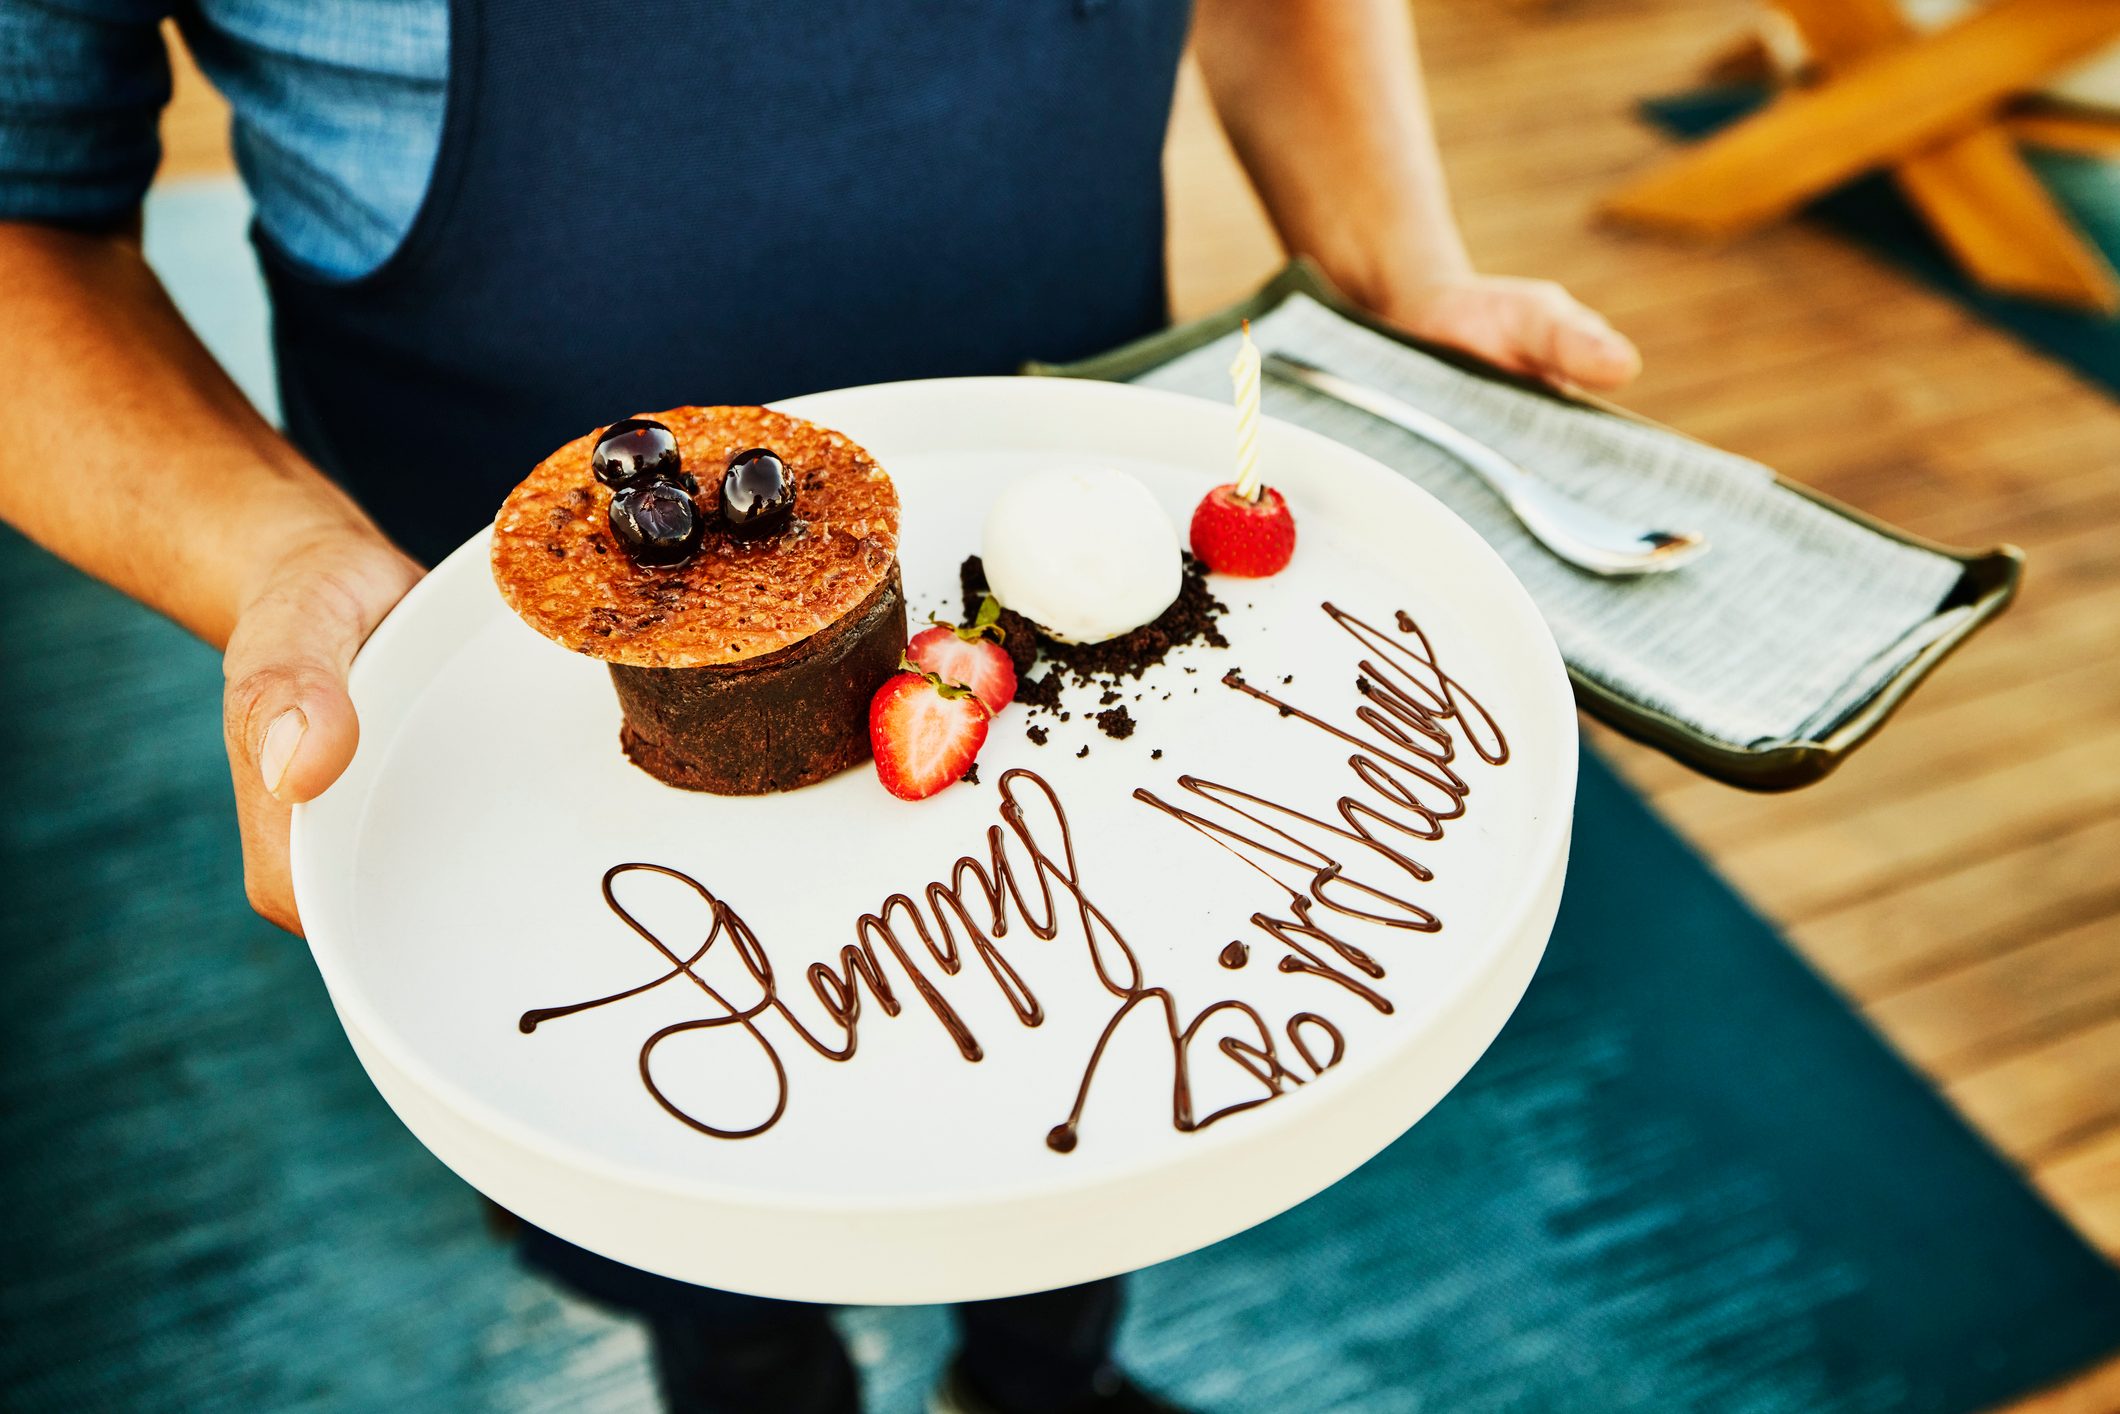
1873 212
1686 1178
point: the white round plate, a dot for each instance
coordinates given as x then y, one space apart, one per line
452 881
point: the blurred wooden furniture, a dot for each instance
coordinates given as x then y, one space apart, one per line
1929 106
2056 129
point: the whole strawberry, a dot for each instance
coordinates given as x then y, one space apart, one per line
925 733
971 656
1235 535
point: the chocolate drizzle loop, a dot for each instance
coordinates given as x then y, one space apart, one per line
1028 878
754 958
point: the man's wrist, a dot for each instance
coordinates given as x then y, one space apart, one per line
321 531
1391 268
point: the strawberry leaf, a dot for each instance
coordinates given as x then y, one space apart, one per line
988 621
934 680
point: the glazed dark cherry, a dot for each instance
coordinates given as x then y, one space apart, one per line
757 492
656 522
638 449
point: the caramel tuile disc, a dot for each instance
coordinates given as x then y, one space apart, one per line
732 601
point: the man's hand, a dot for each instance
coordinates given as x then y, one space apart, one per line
286 718
1324 103
1526 326
202 511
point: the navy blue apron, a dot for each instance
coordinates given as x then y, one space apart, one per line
644 203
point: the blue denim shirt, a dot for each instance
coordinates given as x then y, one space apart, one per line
337 112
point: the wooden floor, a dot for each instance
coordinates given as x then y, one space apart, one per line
1960 879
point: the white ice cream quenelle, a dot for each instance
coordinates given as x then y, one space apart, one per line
1084 552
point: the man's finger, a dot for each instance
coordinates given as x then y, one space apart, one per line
1595 355
1572 343
287 716
295 726
262 822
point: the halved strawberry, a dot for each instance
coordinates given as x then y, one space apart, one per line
971 656
925 733
1235 535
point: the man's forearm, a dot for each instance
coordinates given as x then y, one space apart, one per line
1324 103
125 448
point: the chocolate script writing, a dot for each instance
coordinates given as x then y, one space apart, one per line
1408 761
1026 878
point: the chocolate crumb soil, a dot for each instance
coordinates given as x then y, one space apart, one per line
1156 755
1039 692
971 774
1191 618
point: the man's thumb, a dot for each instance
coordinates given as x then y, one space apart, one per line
286 711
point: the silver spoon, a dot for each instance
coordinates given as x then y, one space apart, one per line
1586 538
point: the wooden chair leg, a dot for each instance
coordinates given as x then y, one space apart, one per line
1976 191
1880 109
2004 227
2065 130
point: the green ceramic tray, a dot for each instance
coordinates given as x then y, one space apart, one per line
1987 582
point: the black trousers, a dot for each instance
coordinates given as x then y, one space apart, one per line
717 1352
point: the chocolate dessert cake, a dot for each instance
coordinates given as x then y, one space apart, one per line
737 568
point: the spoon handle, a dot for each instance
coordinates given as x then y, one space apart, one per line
1507 478
1582 535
